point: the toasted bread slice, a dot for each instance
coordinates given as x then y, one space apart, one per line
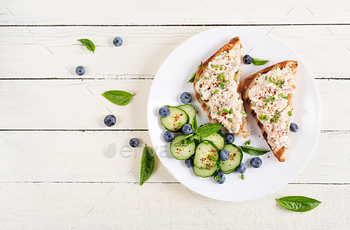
267 91
216 88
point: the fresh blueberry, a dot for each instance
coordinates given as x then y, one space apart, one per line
189 162
294 127
187 129
80 70
224 155
186 98
134 142
230 138
168 136
256 162
241 168
164 111
117 41
247 59
110 120
220 177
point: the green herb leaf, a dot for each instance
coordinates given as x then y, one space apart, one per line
88 44
147 164
253 151
298 203
194 74
208 129
185 142
257 61
118 97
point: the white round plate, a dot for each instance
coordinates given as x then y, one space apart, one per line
170 82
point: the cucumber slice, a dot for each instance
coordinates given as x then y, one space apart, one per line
205 172
182 153
191 112
233 161
175 120
206 156
218 139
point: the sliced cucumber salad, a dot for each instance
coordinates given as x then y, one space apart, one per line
191 112
218 139
233 161
182 153
207 155
175 120
205 172
201 148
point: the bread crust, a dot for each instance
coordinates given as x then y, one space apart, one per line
244 88
234 43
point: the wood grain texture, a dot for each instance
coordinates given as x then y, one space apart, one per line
163 206
54 52
69 104
106 157
155 12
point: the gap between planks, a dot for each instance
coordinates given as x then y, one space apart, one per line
181 25
134 182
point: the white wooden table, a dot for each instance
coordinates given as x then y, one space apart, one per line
53 170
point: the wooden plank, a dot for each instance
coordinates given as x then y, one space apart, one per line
162 206
180 12
77 104
54 52
107 157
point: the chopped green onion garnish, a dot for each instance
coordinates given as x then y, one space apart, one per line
242 176
270 79
220 68
197 80
217 178
216 91
234 78
267 100
229 119
225 110
222 85
212 66
247 143
244 114
263 117
264 106
237 72
278 82
200 86
290 113
219 112
206 78
216 66
201 95
231 111
272 98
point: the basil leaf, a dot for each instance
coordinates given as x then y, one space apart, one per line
147 164
298 203
257 61
253 151
194 74
208 129
118 97
185 142
88 44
